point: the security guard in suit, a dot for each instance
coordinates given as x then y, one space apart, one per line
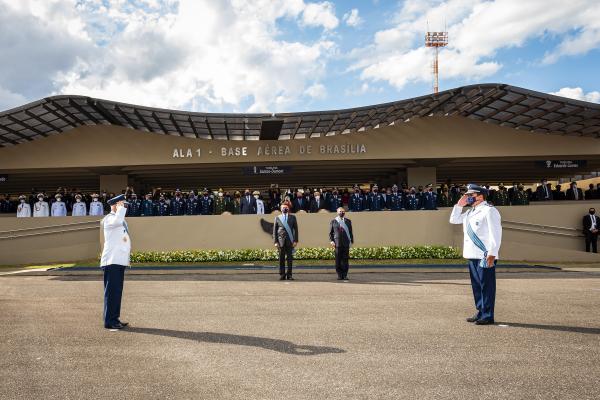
341 238
429 198
206 204
411 201
285 237
96 206
356 202
79 208
114 260
147 206
375 200
161 207
395 201
177 204
191 204
135 206
482 237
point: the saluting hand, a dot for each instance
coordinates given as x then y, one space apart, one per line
463 201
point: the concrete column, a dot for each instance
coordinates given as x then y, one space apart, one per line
113 183
421 176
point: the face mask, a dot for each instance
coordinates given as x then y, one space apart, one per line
247 193
78 200
256 196
59 199
285 210
40 199
220 194
592 212
317 197
22 200
341 214
471 200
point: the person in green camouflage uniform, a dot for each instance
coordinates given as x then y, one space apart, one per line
236 203
501 196
220 203
444 199
520 197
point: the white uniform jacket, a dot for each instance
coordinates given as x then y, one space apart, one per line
485 222
117 244
41 209
96 208
79 209
23 210
59 209
260 206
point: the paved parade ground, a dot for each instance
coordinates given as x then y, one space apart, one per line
248 336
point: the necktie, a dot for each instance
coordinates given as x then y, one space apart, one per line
125 226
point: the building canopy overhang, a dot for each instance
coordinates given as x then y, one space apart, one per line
497 104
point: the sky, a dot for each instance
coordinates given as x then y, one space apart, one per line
290 55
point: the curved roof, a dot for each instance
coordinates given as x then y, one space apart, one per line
499 104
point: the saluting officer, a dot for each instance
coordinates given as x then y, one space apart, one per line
148 209
341 238
375 200
482 236
285 236
411 202
115 258
206 204
191 204
23 209
429 199
59 209
356 202
79 208
96 206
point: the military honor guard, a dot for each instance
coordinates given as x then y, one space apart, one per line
148 206
375 201
135 206
334 201
178 204
341 239
429 198
260 205
79 208
59 208
96 206
591 226
23 209
356 202
482 237
114 260
285 237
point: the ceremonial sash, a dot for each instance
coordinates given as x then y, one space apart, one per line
478 242
287 228
345 228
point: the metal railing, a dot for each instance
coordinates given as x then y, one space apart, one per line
543 229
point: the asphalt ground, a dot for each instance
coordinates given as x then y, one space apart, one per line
248 336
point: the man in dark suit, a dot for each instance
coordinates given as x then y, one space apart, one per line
285 237
543 192
591 193
341 238
591 225
247 203
574 193
317 203
300 202
558 194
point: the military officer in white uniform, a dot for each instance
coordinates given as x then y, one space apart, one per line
41 208
114 260
260 205
482 236
79 208
96 206
59 208
23 209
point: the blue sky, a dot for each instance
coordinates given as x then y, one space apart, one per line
290 55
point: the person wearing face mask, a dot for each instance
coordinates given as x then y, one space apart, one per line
591 226
59 209
334 201
520 197
375 200
482 228
135 206
356 202
285 238
260 205
161 206
341 239
23 209
395 201
543 191
220 203
206 203
41 208
247 203
574 193
96 207
79 208
411 201
429 198
317 203
177 204
300 203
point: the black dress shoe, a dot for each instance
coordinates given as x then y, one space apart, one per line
290 278
282 278
484 322
474 318
115 326
124 323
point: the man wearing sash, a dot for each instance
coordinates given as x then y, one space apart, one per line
341 238
482 236
285 236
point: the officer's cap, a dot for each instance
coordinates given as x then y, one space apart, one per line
21 197
115 199
429 185
474 188
58 196
256 192
77 196
95 195
395 186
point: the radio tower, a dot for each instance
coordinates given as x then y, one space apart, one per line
436 40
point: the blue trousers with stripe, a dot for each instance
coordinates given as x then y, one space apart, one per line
114 276
483 282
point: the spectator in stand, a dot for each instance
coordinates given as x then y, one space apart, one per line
316 203
520 196
412 202
248 203
558 194
543 191
300 202
500 197
591 193
260 205
24 209
444 199
356 202
334 201
574 193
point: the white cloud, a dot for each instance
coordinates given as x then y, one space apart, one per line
577 93
316 91
202 55
478 29
352 18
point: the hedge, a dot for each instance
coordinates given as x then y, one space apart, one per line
306 253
